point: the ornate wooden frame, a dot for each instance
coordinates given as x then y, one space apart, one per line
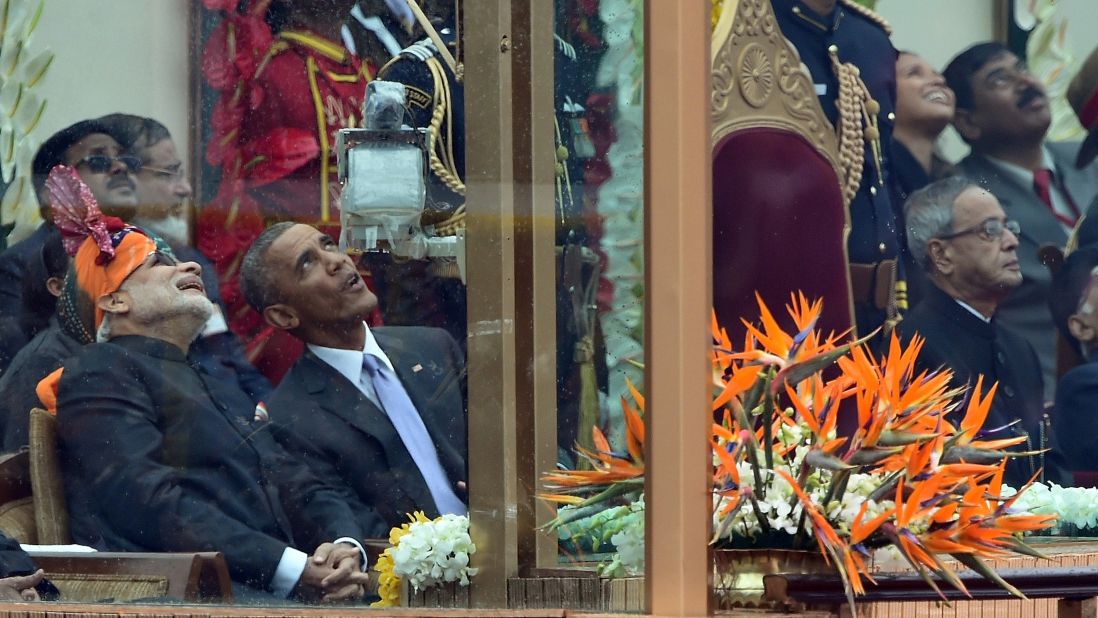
758 81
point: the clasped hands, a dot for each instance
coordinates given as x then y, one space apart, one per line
334 573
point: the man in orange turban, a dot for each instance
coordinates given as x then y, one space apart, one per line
156 456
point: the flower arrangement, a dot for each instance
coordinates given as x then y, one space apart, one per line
426 552
916 473
622 527
1076 507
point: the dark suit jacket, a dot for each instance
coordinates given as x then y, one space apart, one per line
1077 416
18 262
14 561
957 339
322 418
1026 310
45 353
158 458
222 355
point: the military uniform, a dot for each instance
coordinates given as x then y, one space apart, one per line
876 235
415 292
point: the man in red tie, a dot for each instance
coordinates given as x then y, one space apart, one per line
1003 113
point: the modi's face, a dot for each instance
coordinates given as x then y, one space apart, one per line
164 289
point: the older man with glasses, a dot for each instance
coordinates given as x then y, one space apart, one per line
91 149
1003 113
960 235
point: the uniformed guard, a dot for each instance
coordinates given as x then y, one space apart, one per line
847 50
418 292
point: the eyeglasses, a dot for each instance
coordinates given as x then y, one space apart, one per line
101 163
174 174
990 229
1002 79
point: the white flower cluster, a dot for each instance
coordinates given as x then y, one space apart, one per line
780 507
1075 506
629 541
782 510
435 551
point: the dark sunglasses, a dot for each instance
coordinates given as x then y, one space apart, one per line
101 163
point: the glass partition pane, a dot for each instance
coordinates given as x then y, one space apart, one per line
260 318
599 129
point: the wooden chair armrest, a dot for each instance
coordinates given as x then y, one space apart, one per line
201 577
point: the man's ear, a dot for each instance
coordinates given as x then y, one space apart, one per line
115 302
966 125
54 286
281 316
939 256
1080 329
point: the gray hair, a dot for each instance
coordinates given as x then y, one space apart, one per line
928 213
257 280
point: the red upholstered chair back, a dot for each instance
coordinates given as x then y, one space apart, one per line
779 217
778 226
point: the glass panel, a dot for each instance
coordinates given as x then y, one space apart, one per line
237 187
269 423
599 128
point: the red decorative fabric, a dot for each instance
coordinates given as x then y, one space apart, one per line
76 213
778 227
282 99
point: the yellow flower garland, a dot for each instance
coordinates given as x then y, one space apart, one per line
388 582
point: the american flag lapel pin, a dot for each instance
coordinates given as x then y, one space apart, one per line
261 415
416 368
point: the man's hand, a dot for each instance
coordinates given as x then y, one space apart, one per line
21 587
334 570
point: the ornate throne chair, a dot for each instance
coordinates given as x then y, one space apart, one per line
779 218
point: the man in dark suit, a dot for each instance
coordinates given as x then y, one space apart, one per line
378 410
20 579
92 151
1003 114
1074 304
967 245
163 195
158 457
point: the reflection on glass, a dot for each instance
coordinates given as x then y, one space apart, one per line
600 189
222 392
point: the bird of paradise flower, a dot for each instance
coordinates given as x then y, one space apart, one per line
944 480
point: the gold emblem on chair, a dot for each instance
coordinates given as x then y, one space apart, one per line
756 75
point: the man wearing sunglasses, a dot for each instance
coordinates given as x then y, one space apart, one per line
960 235
91 149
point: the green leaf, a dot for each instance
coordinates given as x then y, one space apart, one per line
977 565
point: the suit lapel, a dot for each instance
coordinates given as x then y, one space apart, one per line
343 399
1037 225
1081 184
409 365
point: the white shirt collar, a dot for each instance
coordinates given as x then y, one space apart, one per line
349 362
967 306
